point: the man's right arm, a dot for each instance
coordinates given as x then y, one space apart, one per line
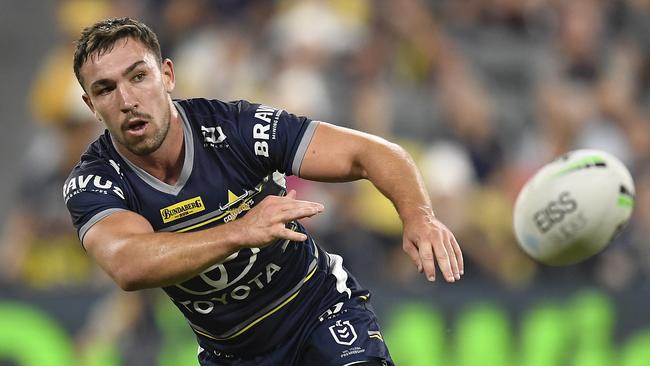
126 247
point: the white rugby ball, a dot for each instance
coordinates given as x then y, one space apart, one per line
573 207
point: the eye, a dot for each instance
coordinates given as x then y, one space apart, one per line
104 91
138 77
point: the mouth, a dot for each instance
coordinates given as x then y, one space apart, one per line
135 126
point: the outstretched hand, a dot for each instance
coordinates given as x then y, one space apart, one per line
426 240
266 222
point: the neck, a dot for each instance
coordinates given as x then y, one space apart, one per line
166 163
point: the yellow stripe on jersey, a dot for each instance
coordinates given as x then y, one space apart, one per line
230 211
375 334
256 321
203 223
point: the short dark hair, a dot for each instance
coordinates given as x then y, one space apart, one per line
101 37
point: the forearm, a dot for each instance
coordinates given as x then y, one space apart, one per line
126 247
158 259
394 173
426 240
338 154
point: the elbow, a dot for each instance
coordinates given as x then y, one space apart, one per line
128 284
398 150
400 153
122 251
383 148
387 153
128 280
129 275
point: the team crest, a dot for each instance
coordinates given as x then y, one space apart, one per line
236 205
343 333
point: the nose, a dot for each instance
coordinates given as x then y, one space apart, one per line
128 100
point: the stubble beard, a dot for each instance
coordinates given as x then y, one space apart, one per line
153 143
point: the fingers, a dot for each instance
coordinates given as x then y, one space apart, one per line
449 256
412 251
292 209
274 212
290 202
459 255
453 261
299 211
292 235
435 248
426 257
288 208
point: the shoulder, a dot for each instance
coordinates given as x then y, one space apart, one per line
100 155
99 169
210 111
203 106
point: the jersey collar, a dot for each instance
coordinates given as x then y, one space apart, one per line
188 162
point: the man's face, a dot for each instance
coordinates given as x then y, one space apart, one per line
130 93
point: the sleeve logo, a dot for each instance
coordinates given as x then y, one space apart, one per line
266 129
182 209
92 183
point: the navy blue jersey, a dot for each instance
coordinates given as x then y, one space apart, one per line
236 154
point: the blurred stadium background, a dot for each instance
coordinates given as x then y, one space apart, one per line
482 92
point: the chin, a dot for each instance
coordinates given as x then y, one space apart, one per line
142 150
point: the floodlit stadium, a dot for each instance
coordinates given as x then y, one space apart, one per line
481 93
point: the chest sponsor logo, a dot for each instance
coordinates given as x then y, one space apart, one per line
229 282
182 209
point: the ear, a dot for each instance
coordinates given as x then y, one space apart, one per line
169 80
89 103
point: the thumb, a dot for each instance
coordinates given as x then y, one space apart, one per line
292 194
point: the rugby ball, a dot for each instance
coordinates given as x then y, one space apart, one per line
573 207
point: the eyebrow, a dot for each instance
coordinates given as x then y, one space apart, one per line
124 73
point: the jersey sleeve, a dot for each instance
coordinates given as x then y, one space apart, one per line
276 138
92 193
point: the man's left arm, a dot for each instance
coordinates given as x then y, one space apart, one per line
337 154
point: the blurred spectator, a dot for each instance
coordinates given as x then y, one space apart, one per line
509 84
481 92
299 82
39 248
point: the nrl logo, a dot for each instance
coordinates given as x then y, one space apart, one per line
343 333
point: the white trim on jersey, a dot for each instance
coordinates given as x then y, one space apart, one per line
302 147
280 179
95 219
336 268
188 161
